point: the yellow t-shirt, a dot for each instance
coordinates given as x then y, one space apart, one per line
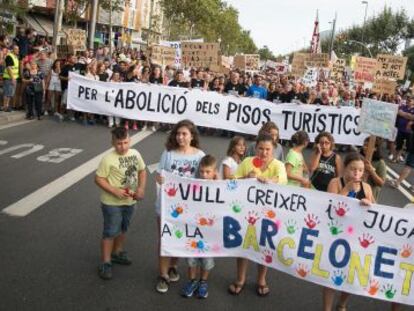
274 169
121 171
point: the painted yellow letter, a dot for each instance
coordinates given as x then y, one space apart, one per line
250 239
362 272
280 248
408 277
317 261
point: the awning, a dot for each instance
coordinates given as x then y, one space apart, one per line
47 25
33 23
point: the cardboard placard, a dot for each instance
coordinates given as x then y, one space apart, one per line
201 54
365 68
62 51
77 39
390 67
162 55
383 86
338 68
303 60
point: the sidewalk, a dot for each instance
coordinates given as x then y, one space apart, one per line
11 117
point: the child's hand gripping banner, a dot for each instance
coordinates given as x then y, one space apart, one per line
323 238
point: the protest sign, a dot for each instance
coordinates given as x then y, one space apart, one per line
280 68
338 68
390 67
201 54
162 55
365 68
62 51
378 118
310 78
140 101
303 60
318 237
177 46
384 86
247 62
77 39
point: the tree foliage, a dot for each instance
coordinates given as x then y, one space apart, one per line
212 20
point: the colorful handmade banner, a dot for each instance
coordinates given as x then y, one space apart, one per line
327 239
148 102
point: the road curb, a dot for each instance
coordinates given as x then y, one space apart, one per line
11 117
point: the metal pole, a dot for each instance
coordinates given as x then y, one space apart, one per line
93 23
332 37
365 19
150 22
57 26
110 28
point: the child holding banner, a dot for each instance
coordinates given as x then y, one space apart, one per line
265 168
350 185
182 157
207 170
325 164
295 164
269 128
235 154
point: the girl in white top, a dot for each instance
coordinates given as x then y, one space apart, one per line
235 154
54 91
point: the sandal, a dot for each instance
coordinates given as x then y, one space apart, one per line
340 308
236 288
393 183
262 290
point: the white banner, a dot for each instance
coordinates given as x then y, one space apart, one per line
319 237
139 101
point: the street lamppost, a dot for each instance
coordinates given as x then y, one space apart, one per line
365 19
360 43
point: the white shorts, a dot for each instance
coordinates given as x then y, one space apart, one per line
55 86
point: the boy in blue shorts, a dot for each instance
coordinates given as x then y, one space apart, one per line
207 169
122 177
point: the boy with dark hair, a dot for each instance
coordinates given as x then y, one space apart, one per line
207 169
122 177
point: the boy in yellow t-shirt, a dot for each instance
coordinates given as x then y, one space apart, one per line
122 177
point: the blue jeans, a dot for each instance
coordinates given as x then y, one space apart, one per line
116 219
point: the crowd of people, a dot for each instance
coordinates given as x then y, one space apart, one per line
36 81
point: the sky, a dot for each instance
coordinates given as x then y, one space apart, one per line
285 26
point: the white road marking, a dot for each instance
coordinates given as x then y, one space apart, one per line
32 148
152 167
39 197
394 175
6 126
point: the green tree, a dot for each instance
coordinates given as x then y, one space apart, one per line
266 54
212 20
9 10
409 53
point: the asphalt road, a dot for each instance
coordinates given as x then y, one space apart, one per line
49 258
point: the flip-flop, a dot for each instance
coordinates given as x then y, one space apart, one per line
262 290
236 288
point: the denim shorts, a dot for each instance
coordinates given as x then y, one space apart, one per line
116 219
205 264
409 161
9 89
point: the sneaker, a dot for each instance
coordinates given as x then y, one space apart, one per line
121 258
189 289
401 159
162 285
153 129
173 274
390 157
105 271
72 119
46 113
202 291
135 127
144 128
